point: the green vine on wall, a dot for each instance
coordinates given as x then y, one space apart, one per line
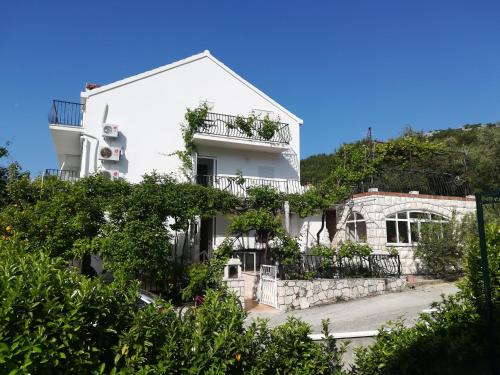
195 120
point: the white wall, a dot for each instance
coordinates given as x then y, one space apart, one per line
149 112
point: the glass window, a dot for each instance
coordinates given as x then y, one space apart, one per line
356 227
392 235
405 227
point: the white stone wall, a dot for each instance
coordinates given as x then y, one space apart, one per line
302 294
376 206
237 286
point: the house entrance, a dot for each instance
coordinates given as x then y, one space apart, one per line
206 238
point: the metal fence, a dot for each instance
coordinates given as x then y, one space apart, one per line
62 174
239 186
425 182
226 125
65 113
315 266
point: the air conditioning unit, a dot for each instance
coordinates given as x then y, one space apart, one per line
110 130
109 153
112 174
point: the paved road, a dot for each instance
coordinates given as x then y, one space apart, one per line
363 314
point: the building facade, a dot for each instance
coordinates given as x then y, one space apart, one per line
132 127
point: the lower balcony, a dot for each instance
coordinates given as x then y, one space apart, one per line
238 185
62 174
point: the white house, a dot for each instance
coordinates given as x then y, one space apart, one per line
133 126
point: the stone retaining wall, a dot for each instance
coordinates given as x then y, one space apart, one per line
302 294
237 286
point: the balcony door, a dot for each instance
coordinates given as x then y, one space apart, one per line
206 168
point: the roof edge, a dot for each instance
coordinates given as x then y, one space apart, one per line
84 95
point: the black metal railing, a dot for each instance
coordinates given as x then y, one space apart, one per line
425 182
315 266
65 113
62 174
239 185
227 126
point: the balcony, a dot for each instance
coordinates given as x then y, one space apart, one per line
242 133
65 124
62 174
238 186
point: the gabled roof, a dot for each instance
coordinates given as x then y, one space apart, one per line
188 60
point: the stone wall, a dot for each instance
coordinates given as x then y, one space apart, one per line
237 286
376 206
302 294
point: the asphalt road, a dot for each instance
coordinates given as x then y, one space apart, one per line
363 314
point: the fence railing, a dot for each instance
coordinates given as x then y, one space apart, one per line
425 182
238 186
65 113
62 174
313 266
227 126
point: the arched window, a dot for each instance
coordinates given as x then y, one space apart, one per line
405 226
356 227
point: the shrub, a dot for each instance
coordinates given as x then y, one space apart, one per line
449 341
53 320
439 248
351 249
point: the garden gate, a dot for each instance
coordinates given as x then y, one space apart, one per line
269 285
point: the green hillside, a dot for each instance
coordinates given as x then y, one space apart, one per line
460 160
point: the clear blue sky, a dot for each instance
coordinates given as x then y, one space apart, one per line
340 65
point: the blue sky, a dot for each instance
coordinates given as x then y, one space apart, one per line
340 65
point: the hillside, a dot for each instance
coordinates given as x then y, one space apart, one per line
469 155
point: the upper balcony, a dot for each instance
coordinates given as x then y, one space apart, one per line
65 124
238 132
65 113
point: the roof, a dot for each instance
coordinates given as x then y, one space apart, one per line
188 60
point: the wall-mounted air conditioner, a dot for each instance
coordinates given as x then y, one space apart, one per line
109 153
112 174
110 130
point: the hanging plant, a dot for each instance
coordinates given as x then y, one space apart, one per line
268 128
245 125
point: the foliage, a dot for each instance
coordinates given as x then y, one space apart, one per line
53 320
439 248
468 155
449 341
245 125
265 197
350 249
452 340
260 220
268 128
195 120
473 281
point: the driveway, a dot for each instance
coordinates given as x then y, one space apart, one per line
362 314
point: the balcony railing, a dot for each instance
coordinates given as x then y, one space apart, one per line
62 174
227 126
238 186
66 113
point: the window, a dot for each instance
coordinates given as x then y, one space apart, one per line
404 227
356 227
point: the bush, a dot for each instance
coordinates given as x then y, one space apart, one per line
449 341
439 248
53 320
